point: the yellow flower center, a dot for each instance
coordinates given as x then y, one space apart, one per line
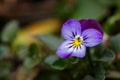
77 42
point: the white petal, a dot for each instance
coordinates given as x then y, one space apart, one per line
79 52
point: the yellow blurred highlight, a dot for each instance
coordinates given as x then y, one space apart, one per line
25 36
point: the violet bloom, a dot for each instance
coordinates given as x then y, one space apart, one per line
78 35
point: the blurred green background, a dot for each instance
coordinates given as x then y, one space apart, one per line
30 32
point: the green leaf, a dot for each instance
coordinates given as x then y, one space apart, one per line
98 72
50 41
73 60
51 59
33 50
88 9
4 50
56 63
109 55
30 63
9 32
22 51
59 64
114 43
102 54
33 57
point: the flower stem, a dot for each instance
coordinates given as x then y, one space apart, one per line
90 60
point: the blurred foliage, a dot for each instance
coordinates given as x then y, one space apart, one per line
99 74
49 40
10 31
26 35
4 50
103 54
56 62
115 43
29 53
85 9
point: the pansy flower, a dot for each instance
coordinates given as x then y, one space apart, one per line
78 35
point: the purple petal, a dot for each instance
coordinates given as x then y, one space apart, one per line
71 28
79 52
90 23
65 49
91 37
